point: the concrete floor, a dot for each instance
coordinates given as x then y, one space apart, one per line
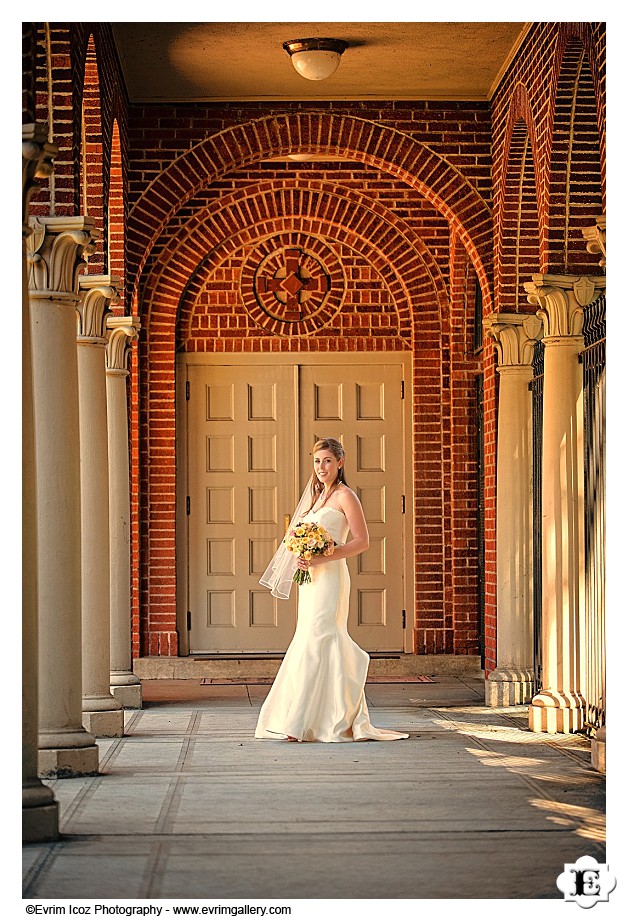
188 805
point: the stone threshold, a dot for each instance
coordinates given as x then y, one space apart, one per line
266 666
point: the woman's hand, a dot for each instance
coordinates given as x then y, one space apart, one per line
316 560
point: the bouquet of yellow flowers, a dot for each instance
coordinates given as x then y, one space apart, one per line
305 540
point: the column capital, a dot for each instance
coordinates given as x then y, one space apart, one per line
56 250
37 156
596 238
515 335
561 299
122 332
97 295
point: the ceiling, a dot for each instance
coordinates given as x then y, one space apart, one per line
244 61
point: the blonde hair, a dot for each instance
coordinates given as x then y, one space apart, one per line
328 444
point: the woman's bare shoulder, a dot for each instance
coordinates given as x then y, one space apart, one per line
347 495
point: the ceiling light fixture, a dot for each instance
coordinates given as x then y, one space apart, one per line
315 58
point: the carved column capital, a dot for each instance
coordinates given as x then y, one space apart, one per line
56 250
596 238
122 332
561 299
515 335
37 156
97 295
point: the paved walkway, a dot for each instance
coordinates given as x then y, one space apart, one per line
188 805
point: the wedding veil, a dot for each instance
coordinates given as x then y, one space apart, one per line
280 570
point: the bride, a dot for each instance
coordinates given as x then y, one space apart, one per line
318 694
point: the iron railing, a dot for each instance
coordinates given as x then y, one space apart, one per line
536 386
593 359
479 403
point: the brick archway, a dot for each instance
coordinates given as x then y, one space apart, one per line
346 216
517 200
210 236
575 186
518 207
375 145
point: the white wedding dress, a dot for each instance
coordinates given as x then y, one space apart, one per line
318 694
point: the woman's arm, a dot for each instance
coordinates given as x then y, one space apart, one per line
352 509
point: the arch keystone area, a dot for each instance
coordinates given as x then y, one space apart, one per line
375 145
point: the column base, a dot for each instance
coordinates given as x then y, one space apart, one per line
40 823
105 723
557 712
508 686
127 688
40 812
598 751
130 695
68 762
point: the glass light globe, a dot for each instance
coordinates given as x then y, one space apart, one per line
315 65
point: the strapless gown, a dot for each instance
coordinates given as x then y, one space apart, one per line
318 694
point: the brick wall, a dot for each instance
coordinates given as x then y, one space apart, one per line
426 203
169 174
54 99
556 86
29 56
394 245
80 55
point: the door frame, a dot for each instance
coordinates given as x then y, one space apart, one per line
185 359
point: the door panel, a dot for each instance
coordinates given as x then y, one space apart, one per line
247 425
361 406
241 448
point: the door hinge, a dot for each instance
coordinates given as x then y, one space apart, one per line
403 390
189 620
403 619
187 505
403 505
187 390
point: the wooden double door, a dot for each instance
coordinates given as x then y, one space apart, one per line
249 433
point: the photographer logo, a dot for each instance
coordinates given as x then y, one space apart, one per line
586 882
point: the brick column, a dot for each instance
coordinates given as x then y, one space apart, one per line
56 251
125 686
102 713
511 682
40 810
560 705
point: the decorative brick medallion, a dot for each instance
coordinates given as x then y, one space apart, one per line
292 285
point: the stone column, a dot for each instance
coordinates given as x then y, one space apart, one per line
40 810
125 686
56 251
512 681
103 715
560 705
